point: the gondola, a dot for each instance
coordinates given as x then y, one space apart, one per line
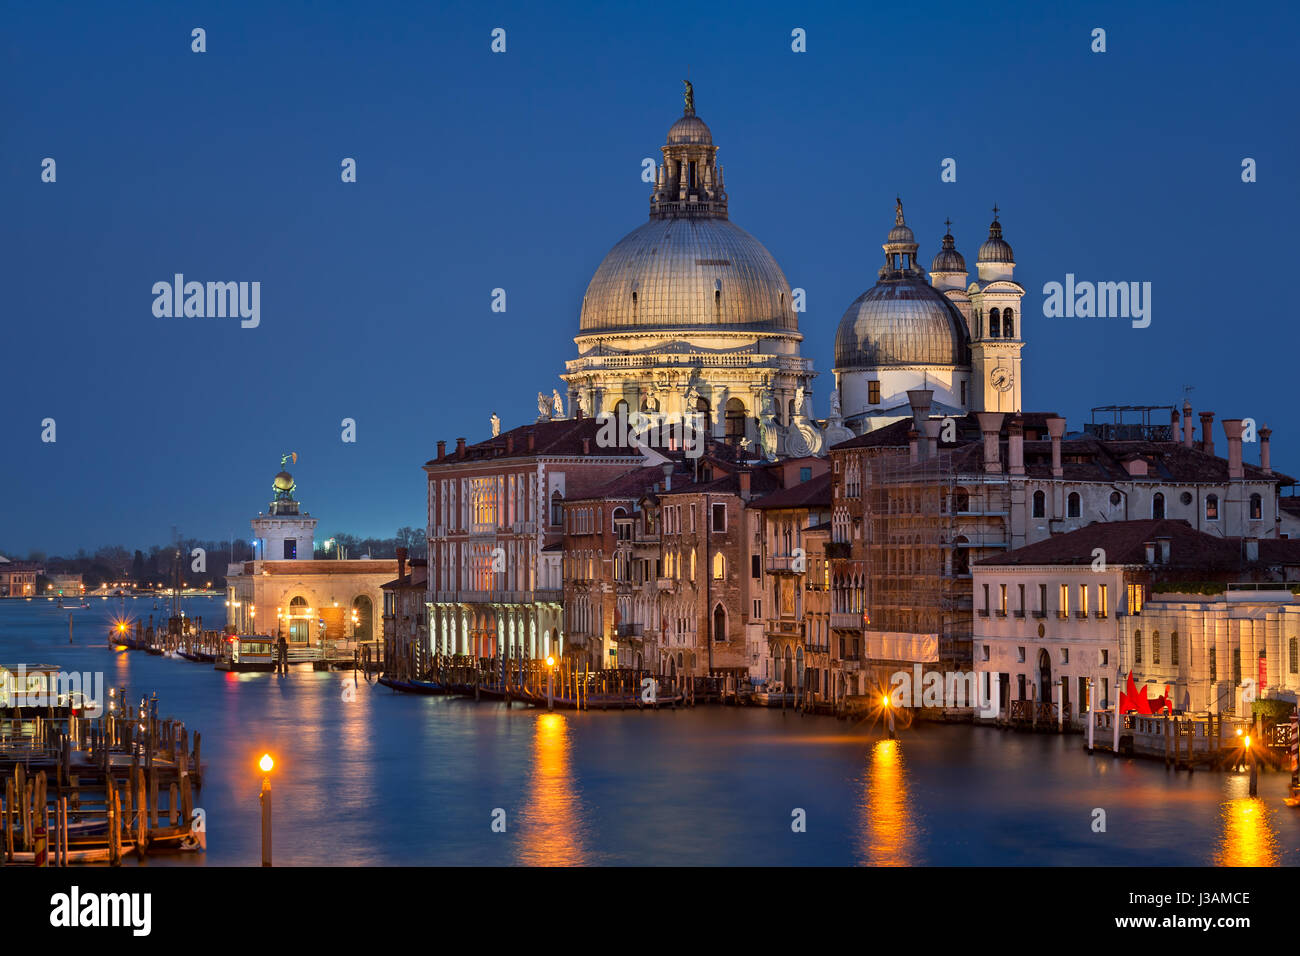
413 686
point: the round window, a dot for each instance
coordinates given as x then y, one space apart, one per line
1185 497
1115 498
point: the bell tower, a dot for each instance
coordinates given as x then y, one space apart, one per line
997 332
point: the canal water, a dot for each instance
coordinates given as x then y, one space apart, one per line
384 778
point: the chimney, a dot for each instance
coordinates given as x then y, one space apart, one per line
586 446
442 450
743 475
460 448
1207 432
668 475
991 425
1164 542
510 443
1232 427
532 441
931 428
1016 446
920 399
1187 424
1265 456
1056 428
1151 552
1252 549
401 563
913 453
1175 430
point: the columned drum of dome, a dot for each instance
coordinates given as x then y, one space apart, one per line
690 311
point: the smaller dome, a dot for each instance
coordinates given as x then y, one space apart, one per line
902 233
284 481
690 130
948 259
995 248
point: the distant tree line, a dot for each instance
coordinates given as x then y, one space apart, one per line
156 567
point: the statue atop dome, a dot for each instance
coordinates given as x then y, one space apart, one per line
690 98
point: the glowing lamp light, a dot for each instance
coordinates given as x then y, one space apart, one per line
884 700
1248 740
550 661
266 763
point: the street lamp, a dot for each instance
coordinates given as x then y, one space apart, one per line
266 764
550 674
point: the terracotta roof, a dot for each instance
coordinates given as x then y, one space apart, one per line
813 493
1124 542
761 482
417 577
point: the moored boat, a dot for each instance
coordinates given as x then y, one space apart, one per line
247 652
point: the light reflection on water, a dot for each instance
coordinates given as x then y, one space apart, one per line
887 826
386 778
550 823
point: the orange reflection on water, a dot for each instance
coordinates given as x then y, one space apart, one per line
1248 838
887 830
550 830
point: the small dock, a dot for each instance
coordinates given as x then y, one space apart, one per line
81 789
1193 741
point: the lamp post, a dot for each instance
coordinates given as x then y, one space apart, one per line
889 715
550 673
266 764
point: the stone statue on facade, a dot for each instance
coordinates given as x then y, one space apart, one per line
543 408
496 425
557 404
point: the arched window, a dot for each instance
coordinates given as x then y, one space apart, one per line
1008 323
1211 507
719 623
1256 507
1072 505
557 508
960 556
620 408
1157 505
995 324
719 567
736 420
1040 504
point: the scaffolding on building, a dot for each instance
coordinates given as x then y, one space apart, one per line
926 522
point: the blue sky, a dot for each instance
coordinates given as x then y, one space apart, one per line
520 170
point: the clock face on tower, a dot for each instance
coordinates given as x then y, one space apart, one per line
1000 378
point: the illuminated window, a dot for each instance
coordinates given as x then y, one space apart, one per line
1135 599
1083 600
1211 507
719 567
1064 610
1103 601
1256 507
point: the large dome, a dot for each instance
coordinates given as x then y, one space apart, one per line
688 273
902 321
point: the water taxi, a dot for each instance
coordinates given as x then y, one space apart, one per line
247 652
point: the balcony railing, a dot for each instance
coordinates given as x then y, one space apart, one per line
630 630
787 563
850 620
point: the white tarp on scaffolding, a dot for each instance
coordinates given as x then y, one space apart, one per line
902 646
